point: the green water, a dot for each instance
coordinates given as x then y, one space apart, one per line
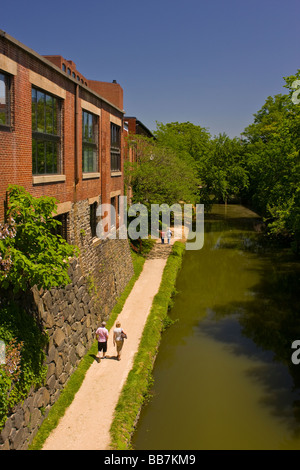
224 378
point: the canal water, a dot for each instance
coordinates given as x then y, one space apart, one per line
223 377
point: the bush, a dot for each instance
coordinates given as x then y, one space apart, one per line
31 251
24 358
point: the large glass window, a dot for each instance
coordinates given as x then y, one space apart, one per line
89 142
61 229
115 148
4 100
46 139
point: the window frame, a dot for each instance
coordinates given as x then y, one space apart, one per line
115 148
91 144
93 219
49 140
7 104
63 229
114 212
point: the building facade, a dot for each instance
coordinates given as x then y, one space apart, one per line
60 134
133 127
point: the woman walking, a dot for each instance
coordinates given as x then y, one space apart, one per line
118 339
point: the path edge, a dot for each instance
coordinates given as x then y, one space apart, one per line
135 391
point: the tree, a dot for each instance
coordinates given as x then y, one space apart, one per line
226 175
159 175
31 253
273 164
267 119
188 140
218 161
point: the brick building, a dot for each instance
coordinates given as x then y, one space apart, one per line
132 126
60 135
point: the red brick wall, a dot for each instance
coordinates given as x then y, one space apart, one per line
112 92
58 60
131 124
110 183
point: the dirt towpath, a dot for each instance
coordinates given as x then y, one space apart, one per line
87 421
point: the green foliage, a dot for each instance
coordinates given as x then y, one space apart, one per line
31 253
226 176
159 175
191 142
217 162
272 162
23 366
142 246
192 145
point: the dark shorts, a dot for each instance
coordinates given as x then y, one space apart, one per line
102 346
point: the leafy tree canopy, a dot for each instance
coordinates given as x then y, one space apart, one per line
217 161
273 163
187 139
159 175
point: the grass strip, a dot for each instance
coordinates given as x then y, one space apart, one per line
139 380
74 383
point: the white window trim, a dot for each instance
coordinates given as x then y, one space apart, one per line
115 120
44 179
90 107
8 65
86 176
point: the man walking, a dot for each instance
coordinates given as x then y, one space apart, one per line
169 235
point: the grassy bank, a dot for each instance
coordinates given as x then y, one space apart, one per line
139 379
67 395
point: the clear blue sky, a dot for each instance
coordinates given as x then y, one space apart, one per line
210 62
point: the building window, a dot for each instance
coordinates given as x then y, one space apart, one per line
121 209
46 133
64 67
89 142
93 218
115 147
113 213
62 228
4 99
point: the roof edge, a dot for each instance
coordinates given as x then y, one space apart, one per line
47 62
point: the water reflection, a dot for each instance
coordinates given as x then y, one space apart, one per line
272 375
228 358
